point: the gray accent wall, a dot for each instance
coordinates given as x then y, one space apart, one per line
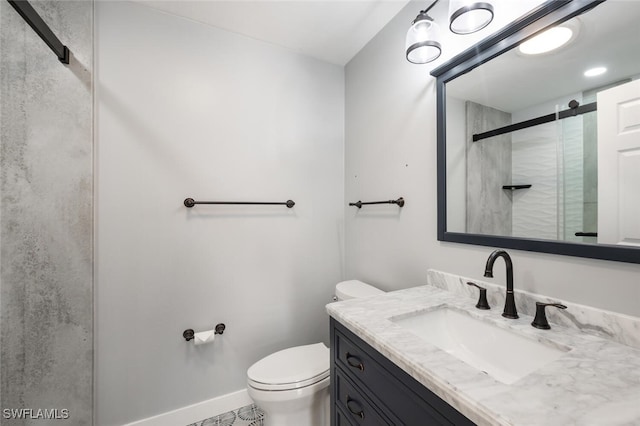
390 149
46 218
488 169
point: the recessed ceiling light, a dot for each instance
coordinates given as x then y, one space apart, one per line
595 71
547 41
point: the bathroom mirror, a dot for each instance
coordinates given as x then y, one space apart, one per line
520 163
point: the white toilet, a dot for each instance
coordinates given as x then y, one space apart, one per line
291 386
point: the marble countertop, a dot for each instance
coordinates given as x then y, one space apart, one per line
597 382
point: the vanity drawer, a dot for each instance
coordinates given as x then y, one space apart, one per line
387 386
341 418
356 362
354 405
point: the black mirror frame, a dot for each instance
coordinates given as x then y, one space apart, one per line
549 13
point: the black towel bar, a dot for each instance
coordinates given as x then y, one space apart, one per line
399 202
190 202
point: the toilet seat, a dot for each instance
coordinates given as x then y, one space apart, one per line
287 386
291 368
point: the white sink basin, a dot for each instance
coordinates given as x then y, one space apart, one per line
503 354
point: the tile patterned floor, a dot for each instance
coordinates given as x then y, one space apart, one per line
244 416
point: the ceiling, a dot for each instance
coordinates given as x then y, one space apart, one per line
330 30
609 36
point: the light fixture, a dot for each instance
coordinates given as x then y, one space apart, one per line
421 44
593 72
551 39
466 17
545 42
469 16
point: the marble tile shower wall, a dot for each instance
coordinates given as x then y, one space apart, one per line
46 218
488 169
535 210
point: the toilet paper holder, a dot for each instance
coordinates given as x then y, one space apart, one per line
189 333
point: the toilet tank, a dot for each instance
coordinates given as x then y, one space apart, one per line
353 289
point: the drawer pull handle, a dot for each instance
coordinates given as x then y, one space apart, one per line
357 410
354 361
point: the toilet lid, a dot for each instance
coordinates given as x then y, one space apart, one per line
354 289
291 368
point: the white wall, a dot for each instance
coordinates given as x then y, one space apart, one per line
391 151
186 110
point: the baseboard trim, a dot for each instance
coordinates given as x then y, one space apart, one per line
196 412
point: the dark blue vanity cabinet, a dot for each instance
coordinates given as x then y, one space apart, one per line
368 389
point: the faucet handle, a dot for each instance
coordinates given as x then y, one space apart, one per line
540 321
482 300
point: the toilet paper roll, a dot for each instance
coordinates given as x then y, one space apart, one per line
204 337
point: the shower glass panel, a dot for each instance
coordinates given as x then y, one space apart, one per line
46 218
559 160
579 183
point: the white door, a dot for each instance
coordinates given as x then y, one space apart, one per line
619 165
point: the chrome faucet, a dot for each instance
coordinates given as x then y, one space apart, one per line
510 310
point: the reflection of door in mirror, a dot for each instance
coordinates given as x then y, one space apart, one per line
619 164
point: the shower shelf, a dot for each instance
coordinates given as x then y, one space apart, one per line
514 187
586 234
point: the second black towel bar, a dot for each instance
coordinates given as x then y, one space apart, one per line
190 202
359 204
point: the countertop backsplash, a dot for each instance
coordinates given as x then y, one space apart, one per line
620 328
